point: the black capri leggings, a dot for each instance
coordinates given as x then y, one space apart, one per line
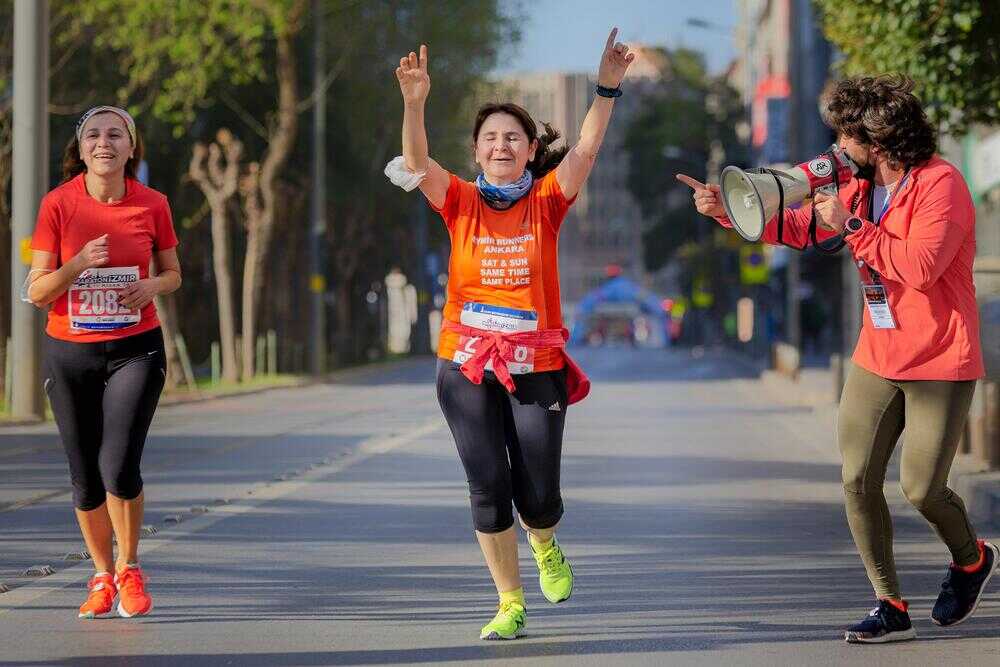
510 445
103 396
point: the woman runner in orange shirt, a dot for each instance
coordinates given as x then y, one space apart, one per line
503 379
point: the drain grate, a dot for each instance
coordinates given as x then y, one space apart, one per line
39 571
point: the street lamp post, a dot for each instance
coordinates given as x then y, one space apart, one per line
317 278
30 172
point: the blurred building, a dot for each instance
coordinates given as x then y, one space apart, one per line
783 67
604 227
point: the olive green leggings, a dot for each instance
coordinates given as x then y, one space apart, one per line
873 412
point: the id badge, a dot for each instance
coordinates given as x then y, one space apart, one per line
95 300
498 318
877 302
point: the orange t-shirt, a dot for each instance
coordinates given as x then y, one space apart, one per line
137 225
505 259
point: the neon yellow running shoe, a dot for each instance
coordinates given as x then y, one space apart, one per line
555 575
507 624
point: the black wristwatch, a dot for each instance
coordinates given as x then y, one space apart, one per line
853 224
603 91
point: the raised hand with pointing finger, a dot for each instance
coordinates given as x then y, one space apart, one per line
414 82
706 196
614 62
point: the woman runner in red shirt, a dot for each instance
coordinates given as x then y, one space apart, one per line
96 237
502 374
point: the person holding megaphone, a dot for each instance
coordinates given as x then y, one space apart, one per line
908 219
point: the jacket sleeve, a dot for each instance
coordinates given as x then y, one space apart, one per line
795 231
940 224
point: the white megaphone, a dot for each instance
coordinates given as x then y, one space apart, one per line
752 197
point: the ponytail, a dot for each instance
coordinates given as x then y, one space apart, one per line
547 159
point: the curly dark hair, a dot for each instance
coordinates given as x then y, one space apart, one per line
546 159
881 111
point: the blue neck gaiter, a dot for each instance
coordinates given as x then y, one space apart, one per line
504 194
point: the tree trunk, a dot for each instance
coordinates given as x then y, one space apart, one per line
260 192
6 306
224 292
166 313
253 268
218 183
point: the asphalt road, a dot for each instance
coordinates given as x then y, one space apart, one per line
703 520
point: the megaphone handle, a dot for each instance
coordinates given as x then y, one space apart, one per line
812 219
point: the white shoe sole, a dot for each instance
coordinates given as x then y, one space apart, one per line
125 614
898 636
982 589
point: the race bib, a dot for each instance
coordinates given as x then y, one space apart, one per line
877 303
95 300
498 318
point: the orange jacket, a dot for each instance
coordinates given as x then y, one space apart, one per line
923 249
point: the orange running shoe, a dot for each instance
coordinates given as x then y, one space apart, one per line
133 600
101 599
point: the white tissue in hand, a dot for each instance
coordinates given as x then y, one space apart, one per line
399 175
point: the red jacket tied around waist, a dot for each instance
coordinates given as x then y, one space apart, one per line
496 346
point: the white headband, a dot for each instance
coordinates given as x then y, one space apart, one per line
121 113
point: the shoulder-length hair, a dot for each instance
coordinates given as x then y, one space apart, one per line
882 111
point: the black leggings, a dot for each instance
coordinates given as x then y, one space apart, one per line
103 396
510 445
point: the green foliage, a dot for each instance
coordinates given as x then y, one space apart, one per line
951 48
187 69
173 55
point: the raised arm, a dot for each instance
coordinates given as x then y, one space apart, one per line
415 85
574 169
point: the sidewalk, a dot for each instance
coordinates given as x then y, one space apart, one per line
815 388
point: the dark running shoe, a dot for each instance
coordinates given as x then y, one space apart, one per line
962 591
884 623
